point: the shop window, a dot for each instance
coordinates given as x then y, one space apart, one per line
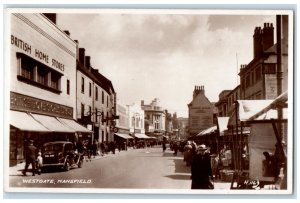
37 74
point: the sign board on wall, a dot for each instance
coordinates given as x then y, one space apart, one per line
200 118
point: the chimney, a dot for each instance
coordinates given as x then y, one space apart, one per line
82 56
285 28
257 42
87 62
67 32
267 36
51 17
142 103
197 90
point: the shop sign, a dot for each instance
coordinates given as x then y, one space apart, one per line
25 103
36 53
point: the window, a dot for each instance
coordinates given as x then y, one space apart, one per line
90 110
27 68
96 111
132 122
102 97
96 93
82 84
107 101
82 110
38 74
269 68
247 80
90 89
258 74
55 78
68 86
42 76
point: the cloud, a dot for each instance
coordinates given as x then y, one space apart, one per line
165 56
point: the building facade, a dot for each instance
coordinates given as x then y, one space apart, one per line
155 118
259 77
200 112
95 100
42 83
136 116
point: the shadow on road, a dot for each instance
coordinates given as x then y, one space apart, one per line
179 176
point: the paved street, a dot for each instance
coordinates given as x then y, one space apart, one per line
147 168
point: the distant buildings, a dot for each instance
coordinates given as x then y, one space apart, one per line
155 118
200 112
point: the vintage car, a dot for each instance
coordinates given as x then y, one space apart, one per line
61 154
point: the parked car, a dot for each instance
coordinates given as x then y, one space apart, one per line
61 154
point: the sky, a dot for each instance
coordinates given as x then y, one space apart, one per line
165 55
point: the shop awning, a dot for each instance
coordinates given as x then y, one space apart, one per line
125 136
52 123
246 109
139 135
270 111
257 110
26 122
222 124
208 131
74 125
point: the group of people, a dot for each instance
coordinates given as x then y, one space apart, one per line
199 158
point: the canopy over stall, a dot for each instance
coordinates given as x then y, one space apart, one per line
208 131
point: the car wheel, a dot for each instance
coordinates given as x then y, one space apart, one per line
67 165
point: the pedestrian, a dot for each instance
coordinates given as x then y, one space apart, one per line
39 163
30 158
201 171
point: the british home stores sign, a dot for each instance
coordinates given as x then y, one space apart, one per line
21 102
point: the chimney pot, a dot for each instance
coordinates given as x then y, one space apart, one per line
82 56
67 32
87 61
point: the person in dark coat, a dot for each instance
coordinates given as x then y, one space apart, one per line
201 169
30 158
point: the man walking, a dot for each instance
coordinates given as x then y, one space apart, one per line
30 158
201 169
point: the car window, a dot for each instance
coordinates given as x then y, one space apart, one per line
54 147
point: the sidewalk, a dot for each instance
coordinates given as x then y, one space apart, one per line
17 169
